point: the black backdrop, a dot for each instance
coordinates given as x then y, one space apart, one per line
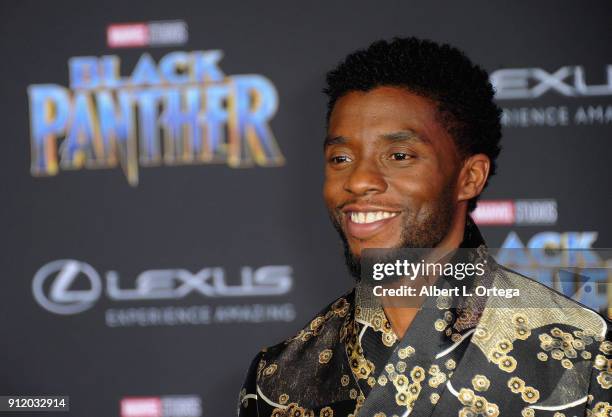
191 217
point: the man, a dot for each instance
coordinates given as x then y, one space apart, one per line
413 137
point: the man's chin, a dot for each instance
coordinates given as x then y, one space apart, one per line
353 248
353 257
357 247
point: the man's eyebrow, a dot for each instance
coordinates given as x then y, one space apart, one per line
400 135
404 135
335 140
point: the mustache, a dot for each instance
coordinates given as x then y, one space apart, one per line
372 202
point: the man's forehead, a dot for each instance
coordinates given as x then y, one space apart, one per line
390 107
387 113
381 100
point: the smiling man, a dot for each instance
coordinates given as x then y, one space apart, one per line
413 136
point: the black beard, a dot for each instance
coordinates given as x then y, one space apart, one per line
427 231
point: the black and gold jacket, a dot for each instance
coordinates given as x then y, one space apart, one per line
540 354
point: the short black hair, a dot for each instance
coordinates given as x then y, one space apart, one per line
439 72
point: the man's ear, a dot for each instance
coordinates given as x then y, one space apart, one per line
473 176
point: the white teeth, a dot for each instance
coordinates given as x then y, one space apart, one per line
370 216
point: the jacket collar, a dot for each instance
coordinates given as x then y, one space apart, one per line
468 310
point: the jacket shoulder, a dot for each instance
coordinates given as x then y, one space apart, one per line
292 368
534 306
327 321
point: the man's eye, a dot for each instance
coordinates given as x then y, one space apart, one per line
339 159
400 156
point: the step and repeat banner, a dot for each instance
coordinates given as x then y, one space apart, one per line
162 217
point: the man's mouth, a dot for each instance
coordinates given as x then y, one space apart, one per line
361 217
365 222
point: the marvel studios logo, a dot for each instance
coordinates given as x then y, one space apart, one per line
516 212
166 406
158 33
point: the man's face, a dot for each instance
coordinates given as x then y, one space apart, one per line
391 171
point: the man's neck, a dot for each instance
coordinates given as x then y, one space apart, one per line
401 317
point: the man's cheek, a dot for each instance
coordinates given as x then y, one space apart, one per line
420 186
328 196
332 194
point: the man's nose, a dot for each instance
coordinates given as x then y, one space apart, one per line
365 178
